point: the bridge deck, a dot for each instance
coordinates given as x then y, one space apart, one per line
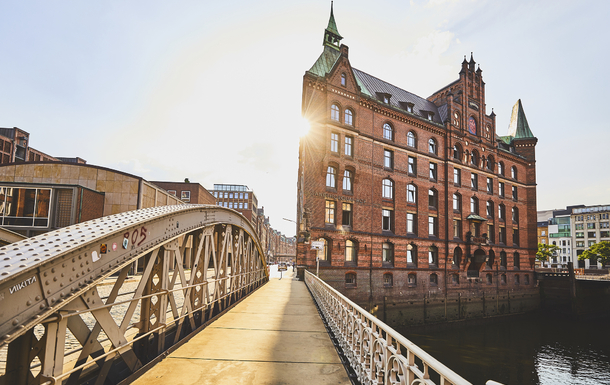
275 336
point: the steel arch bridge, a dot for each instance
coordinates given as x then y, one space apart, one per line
69 312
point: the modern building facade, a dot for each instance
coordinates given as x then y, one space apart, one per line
410 195
39 197
591 225
237 197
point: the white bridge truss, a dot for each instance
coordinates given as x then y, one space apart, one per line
57 327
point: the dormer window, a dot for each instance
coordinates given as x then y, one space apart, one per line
407 106
430 115
343 79
382 96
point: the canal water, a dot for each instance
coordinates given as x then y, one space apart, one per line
530 349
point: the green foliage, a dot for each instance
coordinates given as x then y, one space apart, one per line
545 251
186 180
599 251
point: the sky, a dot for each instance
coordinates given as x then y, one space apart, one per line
211 90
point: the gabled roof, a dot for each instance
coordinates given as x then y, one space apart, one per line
518 127
325 62
371 85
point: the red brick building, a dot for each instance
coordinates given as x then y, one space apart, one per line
412 195
188 192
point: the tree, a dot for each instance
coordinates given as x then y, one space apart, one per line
545 251
599 252
186 180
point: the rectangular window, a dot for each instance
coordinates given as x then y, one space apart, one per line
245 205
474 181
502 235
386 224
412 165
347 214
230 205
388 159
433 171
241 205
501 189
432 226
580 234
24 207
185 196
457 228
591 225
491 233
457 176
329 218
591 234
591 243
334 142
579 226
241 195
604 225
580 243
230 195
348 146
516 236
411 223
490 186
490 209
604 234
173 192
514 193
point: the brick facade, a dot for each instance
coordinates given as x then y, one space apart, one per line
483 255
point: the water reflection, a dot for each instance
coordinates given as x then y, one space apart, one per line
533 349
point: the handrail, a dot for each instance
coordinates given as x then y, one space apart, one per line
377 353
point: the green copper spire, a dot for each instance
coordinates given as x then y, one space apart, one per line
331 34
518 127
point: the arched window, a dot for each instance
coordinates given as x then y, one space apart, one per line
351 251
455 279
433 198
457 257
350 280
388 132
343 79
412 279
472 126
501 212
411 193
433 255
331 177
513 172
457 152
347 180
334 112
412 255
432 146
348 117
324 254
516 261
433 279
388 189
474 205
411 140
457 202
503 279
489 279
501 168
388 253
503 259
491 258
474 158
515 212
490 163
388 280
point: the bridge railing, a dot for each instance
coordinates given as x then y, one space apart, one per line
69 312
377 353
